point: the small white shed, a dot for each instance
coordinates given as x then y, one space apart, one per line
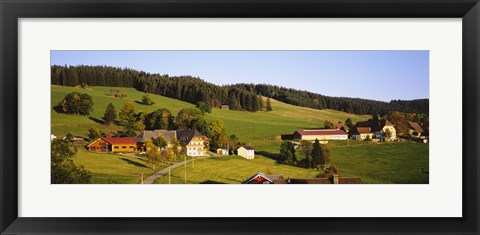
246 151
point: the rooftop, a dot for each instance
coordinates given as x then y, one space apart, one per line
322 132
123 140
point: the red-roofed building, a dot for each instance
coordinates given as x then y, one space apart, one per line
327 134
126 144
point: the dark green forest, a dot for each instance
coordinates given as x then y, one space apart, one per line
238 97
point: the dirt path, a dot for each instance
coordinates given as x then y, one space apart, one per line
164 171
157 175
160 173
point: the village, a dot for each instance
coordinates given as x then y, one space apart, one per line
125 125
194 144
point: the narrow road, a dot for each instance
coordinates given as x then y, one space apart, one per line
157 175
164 171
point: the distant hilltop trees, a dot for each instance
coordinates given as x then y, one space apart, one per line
246 97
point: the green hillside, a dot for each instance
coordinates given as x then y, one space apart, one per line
373 162
384 163
259 129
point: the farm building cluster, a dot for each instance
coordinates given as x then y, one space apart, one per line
366 130
261 178
192 141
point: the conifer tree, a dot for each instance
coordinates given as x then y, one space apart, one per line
269 105
110 114
317 154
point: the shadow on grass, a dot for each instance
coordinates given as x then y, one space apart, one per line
134 163
211 182
58 108
139 102
273 156
100 121
286 136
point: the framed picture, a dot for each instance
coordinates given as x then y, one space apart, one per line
157 116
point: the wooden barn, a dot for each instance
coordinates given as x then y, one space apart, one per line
126 144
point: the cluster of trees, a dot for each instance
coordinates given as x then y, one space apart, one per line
186 88
400 120
115 93
63 170
94 76
239 96
328 125
160 119
214 130
75 103
345 104
204 107
306 155
133 123
146 100
157 151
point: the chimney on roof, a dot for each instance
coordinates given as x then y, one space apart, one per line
335 179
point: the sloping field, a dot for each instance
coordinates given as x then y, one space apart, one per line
260 129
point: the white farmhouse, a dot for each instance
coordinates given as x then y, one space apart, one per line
193 142
246 151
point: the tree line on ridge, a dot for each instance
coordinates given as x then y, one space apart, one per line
246 97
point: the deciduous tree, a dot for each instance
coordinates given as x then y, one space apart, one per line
161 119
63 170
160 142
146 100
188 118
153 154
76 103
204 107
131 121
328 125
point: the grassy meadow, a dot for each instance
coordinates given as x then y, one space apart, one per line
107 168
260 129
384 163
231 170
372 162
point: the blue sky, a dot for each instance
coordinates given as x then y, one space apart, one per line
378 75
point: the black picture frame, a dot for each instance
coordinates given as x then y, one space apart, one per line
11 11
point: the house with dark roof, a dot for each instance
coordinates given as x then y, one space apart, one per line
362 133
322 134
246 151
150 135
380 129
193 142
415 129
125 144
